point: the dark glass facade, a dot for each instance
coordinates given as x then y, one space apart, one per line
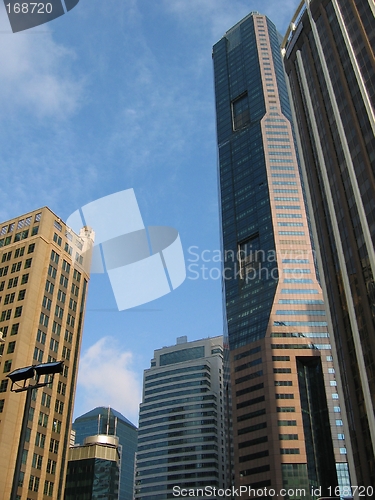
329 60
276 317
108 421
92 479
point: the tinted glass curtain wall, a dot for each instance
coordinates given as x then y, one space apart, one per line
279 341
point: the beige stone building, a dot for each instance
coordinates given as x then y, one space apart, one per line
44 273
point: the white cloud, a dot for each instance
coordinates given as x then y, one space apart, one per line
106 378
35 73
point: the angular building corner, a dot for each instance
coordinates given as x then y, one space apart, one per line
44 273
287 422
329 58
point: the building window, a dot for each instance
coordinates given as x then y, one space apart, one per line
250 255
43 319
2 401
9 298
37 461
11 347
4 270
55 257
16 267
289 451
34 483
46 400
48 488
21 294
54 345
7 366
63 281
4 385
54 446
5 315
43 419
41 337
40 440
56 328
14 329
59 407
240 112
56 426
51 466
61 388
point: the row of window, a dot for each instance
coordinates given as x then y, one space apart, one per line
44 318
15 267
34 485
13 282
19 252
22 235
7 314
10 297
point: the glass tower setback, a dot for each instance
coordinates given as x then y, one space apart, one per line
287 427
330 64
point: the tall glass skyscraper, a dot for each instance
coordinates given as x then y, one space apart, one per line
181 440
329 56
287 420
107 421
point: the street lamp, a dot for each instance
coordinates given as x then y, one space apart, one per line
30 376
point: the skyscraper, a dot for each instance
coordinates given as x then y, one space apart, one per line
43 288
107 421
181 421
287 421
330 64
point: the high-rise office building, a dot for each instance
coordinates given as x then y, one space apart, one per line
287 420
94 469
43 288
109 422
330 64
181 421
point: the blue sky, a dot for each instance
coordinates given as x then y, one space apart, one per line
118 94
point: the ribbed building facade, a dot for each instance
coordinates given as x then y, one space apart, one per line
181 421
287 419
329 57
44 273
